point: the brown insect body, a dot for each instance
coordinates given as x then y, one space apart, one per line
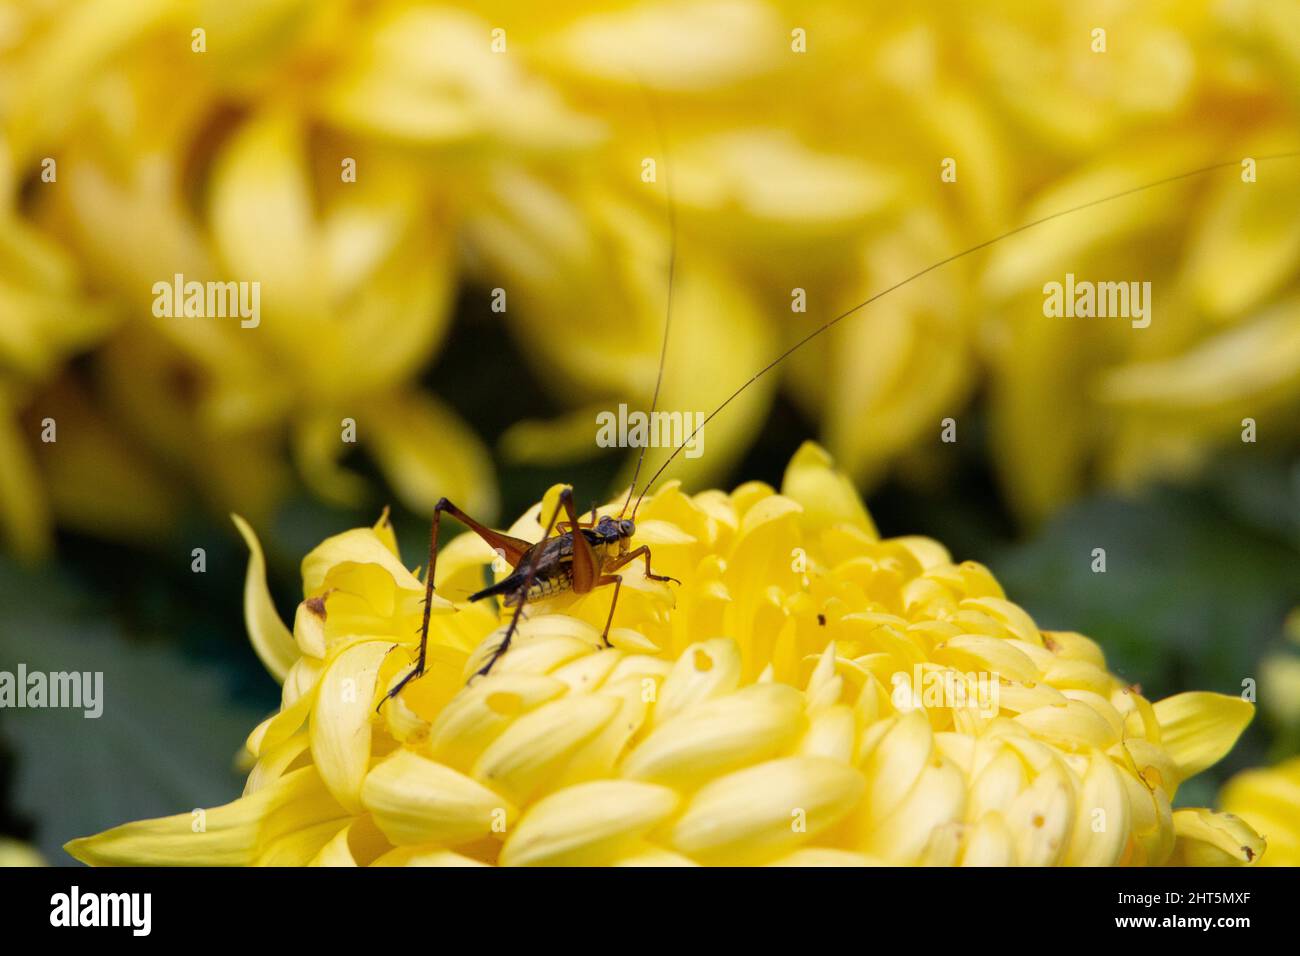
551 561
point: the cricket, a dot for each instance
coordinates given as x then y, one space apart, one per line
576 556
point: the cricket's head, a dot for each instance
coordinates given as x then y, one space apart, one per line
616 530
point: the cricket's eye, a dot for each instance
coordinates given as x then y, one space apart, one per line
626 528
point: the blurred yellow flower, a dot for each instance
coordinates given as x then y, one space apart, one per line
16 853
811 695
38 287
362 160
1268 800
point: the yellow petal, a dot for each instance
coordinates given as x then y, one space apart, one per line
755 814
397 304
1239 369
1268 798
1206 838
893 765
704 670
560 441
617 47
272 641
280 726
719 735
317 452
341 719
303 846
989 655
937 800
416 800
649 854
1198 728
1071 724
338 851
1154 765
358 546
1246 243
831 734
989 843
597 757
587 824
1042 817
460 566
482 712
427 76
537 745
263 222
424 856
827 495
309 628
273 762
826 856
1102 820
428 453
779 188
236 834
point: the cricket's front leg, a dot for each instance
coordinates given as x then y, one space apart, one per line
643 551
617 582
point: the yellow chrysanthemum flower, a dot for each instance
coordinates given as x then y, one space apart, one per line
1268 800
811 694
806 152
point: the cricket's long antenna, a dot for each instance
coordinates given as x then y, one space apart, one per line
672 268
928 269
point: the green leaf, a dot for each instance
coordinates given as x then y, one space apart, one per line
165 743
1198 582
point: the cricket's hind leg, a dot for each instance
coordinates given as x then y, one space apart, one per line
530 571
512 548
504 646
569 526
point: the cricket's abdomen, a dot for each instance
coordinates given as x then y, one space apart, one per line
557 581
552 571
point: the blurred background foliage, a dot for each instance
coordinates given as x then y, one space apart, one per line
522 170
